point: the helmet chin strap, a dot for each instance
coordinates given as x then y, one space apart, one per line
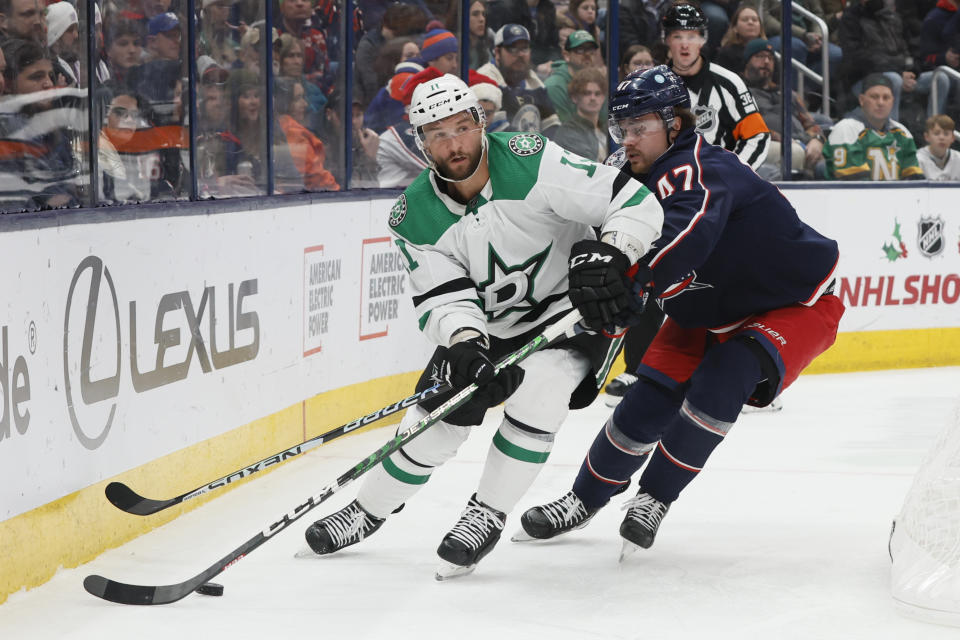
483 152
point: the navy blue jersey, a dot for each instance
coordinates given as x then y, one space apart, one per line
732 245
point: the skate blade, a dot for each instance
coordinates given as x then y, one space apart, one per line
307 554
448 571
522 536
627 550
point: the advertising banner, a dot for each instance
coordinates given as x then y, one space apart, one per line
124 341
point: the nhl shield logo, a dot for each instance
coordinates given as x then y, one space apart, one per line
399 210
706 118
525 144
930 236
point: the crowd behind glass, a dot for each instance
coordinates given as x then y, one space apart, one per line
115 127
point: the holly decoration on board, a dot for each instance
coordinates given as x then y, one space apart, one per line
895 251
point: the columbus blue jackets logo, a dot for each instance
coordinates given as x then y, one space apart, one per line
399 210
930 236
525 144
617 159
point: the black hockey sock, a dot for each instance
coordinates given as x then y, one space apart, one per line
611 460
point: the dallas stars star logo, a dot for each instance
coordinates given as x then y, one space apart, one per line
510 288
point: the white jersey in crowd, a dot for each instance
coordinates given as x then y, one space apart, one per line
932 168
499 263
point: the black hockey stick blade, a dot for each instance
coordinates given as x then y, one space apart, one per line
123 593
126 499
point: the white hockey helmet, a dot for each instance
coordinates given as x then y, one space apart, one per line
441 98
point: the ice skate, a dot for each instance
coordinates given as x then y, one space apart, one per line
568 513
473 537
617 388
639 526
341 529
773 407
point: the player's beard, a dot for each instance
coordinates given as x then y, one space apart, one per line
463 170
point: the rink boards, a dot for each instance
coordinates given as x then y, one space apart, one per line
166 348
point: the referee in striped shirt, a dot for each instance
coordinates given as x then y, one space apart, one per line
726 112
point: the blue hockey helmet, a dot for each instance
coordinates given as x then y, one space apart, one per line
658 90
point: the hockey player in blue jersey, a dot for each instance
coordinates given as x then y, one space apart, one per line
747 288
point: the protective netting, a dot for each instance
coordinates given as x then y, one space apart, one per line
925 544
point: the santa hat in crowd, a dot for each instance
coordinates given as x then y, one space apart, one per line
476 80
402 73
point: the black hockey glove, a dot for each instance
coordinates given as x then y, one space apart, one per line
466 363
608 292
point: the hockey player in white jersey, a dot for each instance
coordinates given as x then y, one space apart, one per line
486 233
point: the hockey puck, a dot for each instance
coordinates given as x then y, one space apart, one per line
210 589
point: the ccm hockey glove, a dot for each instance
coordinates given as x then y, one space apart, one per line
605 288
466 362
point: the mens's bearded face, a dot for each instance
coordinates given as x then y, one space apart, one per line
455 144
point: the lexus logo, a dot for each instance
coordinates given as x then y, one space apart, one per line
101 344
92 391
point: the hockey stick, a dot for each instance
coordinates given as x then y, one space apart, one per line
123 593
126 499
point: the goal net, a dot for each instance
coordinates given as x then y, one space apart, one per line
925 541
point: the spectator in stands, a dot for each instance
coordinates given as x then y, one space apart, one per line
578 53
295 19
583 14
290 60
940 45
41 170
637 56
807 137
129 167
307 151
537 17
481 36
218 38
938 161
393 53
726 113
247 123
251 51
871 35
869 145
63 39
525 98
490 98
636 26
387 109
124 49
585 133
23 19
163 37
398 20
441 51
744 27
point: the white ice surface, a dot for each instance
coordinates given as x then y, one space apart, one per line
784 535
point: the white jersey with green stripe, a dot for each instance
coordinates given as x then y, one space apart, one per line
499 263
